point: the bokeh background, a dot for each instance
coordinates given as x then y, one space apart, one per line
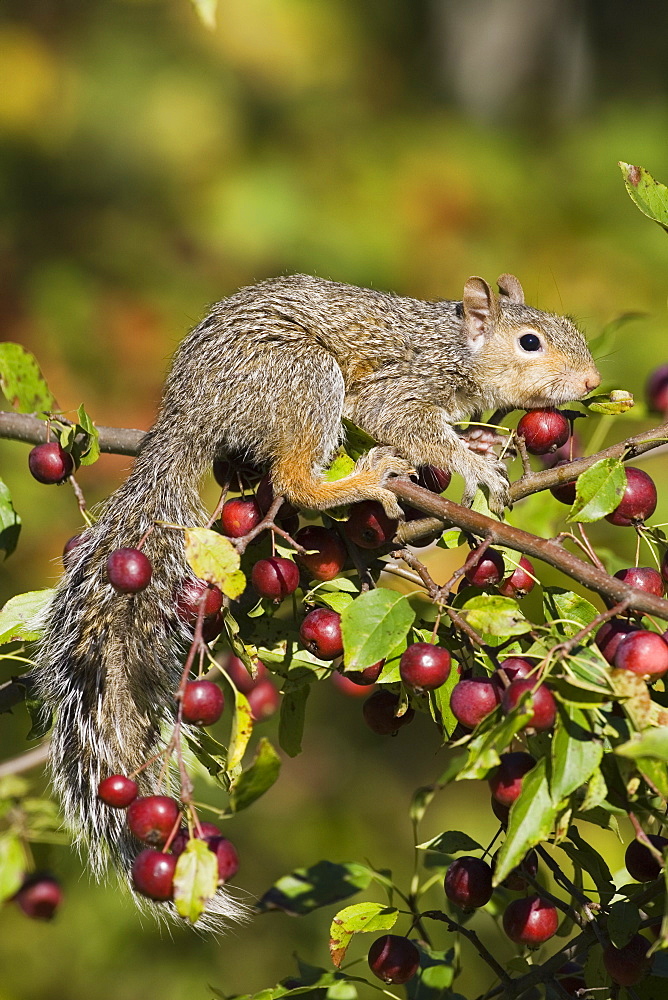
148 167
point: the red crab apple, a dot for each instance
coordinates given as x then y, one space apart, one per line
329 555
544 705
543 430
468 882
380 713
393 959
117 791
638 501
153 874
368 526
49 464
40 896
505 782
152 817
424 667
128 571
487 571
640 863
530 921
320 632
627 965
473 699
644 653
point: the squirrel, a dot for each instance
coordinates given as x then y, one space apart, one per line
269 374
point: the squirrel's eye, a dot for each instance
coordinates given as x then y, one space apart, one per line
530 342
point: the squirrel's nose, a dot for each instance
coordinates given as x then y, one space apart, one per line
592 381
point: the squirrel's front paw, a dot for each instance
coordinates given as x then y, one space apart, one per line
493 475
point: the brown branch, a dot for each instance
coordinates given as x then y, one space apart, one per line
32 430
546 549
475 941
25 427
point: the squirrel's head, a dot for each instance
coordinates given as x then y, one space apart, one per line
523 357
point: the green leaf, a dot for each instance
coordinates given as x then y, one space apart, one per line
355 919
484 750
357 441
291 720
646 193
10 522
342 466
16 617
373 625
213 558
572 610
420 802
207 11
598 490
195 879
434 976
87 444
492 615
209 752
451 538
623 922
532 817
451 842
12 864
617 401
242 727
584 856
258 778
440 699
575 753
307 889
651 743
22 382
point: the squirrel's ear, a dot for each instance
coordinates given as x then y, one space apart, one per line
510 287
481 311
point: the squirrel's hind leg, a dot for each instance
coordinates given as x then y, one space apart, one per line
313 415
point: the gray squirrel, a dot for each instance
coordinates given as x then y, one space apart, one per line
269 373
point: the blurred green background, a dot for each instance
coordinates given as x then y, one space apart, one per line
149 167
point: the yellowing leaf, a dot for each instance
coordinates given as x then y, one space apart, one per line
195 879
213 558
242 727
360 917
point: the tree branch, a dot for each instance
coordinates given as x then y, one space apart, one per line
32 430
546 549
24 427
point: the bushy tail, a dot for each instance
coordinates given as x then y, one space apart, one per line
109 663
